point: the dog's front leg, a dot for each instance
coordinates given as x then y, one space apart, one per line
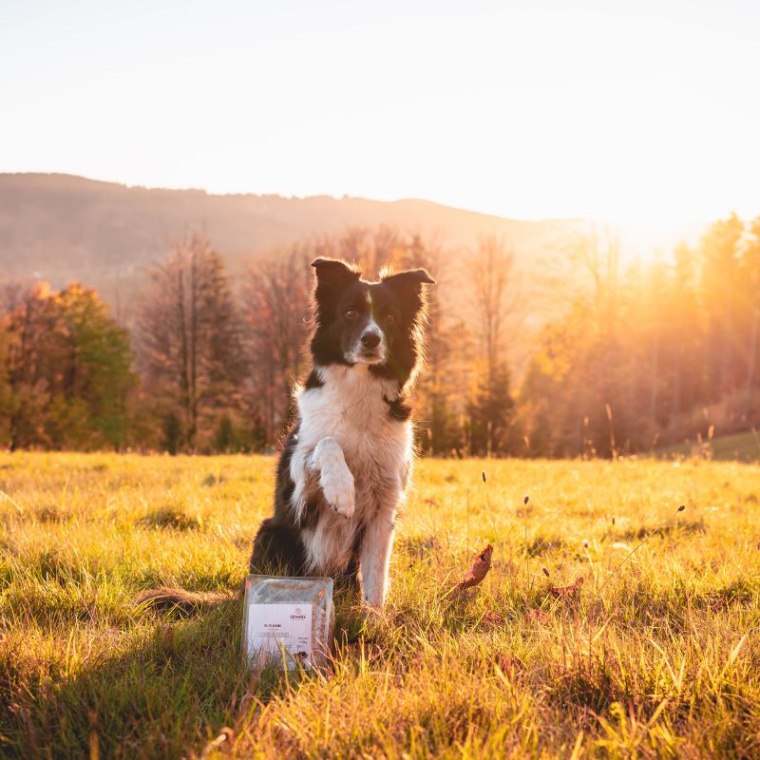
335 479
374 557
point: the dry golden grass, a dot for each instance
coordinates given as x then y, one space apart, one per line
654 656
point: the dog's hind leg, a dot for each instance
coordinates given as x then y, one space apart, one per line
277 550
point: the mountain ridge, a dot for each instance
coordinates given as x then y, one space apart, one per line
62 227
78 178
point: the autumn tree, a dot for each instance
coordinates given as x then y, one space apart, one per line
373 249
720 251
276 306
750 295
68 366
684 318
6 390
33 356
190 343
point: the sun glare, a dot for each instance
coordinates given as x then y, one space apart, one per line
639 115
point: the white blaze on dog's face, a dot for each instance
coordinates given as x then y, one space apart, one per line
366 340
372 323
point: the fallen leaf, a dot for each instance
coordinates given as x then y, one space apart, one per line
538 615
565 591
478 570
493 620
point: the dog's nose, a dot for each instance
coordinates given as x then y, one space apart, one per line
370 340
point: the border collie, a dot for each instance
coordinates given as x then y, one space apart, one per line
345 465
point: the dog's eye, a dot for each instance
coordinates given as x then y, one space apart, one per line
390 319
351 314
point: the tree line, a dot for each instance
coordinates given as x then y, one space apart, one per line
640 358
652 356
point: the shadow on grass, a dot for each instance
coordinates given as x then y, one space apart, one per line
173 685
172 688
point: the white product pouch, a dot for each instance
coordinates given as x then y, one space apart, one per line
288 620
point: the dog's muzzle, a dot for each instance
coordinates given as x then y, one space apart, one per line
371 347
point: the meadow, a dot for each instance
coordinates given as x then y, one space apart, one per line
655 654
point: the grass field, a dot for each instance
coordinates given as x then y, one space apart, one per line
656 656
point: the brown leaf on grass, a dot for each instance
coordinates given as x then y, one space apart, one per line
539 616
478 570
493 620
566 591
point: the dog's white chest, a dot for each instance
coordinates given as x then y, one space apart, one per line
353 408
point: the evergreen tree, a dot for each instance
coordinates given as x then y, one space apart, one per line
491 413
490 267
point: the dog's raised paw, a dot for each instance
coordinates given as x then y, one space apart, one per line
338 489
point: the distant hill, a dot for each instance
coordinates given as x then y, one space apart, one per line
59 227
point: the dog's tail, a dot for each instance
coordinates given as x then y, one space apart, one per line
178 599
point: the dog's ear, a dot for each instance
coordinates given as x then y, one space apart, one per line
334 272
413 278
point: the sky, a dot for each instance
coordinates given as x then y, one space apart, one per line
645 113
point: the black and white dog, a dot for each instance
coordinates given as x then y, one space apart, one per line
346 463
